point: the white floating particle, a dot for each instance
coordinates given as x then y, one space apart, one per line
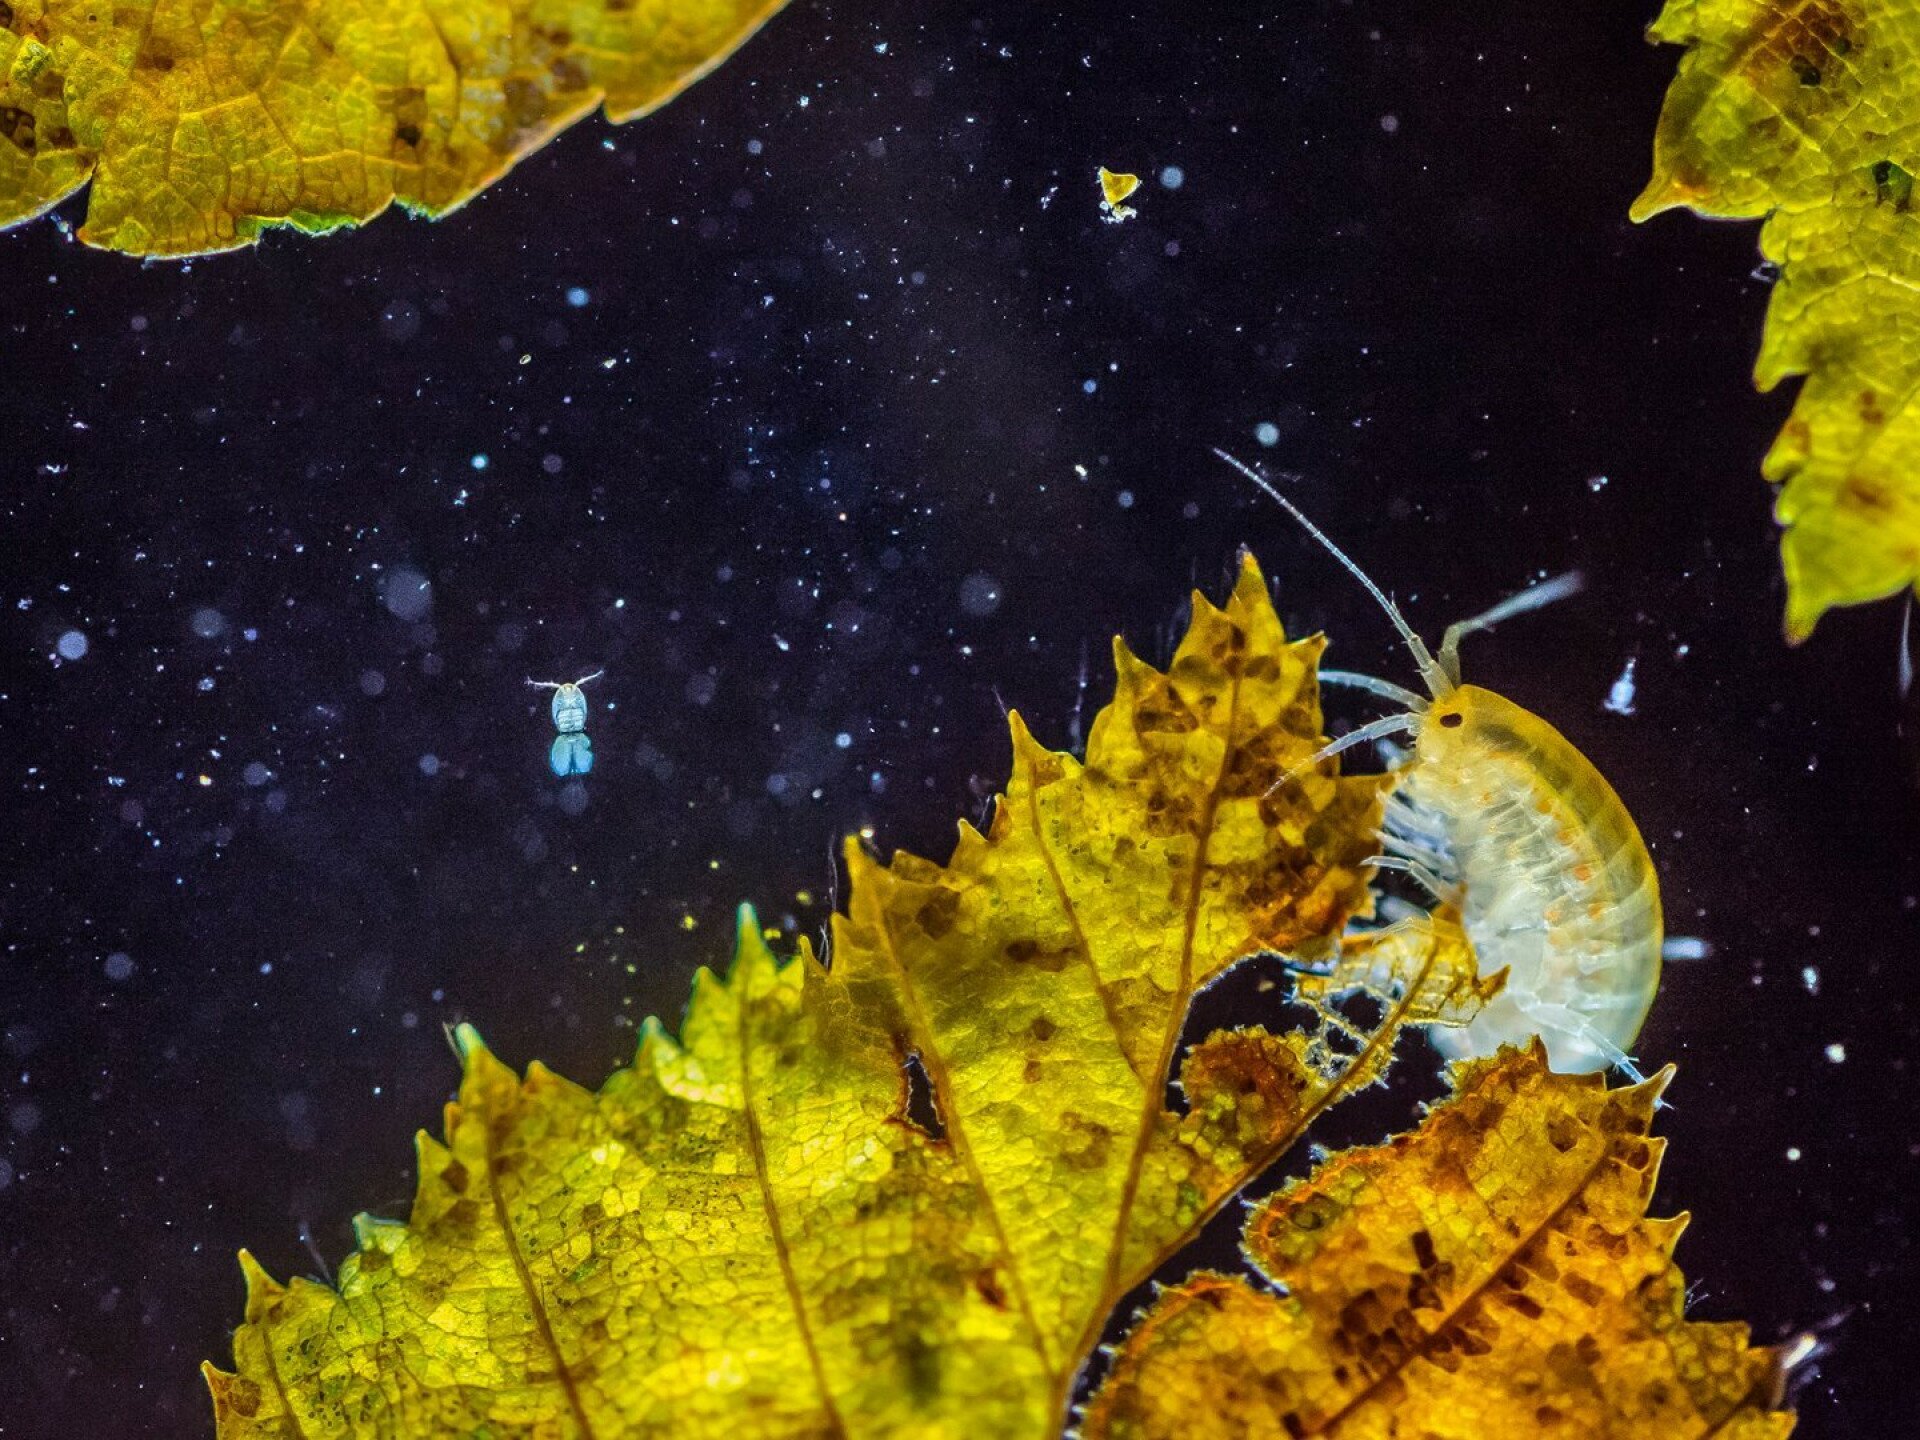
980 594
72 645
1172 177
1793 1152
119 966
407 594
577 296
1810 977
1620 697
1837 1053
1267 433
479 462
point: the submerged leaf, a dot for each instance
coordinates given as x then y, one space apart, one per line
1491 1275
746 1233
1808 114
202 125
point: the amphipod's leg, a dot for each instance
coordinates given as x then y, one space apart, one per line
1374 685
1422 876
1372 730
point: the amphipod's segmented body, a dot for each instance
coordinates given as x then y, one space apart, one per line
572 752
1496 812
1553 881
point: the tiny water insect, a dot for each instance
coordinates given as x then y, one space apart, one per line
1496 813
572 752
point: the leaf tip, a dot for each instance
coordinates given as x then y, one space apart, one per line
1664 192
746 926
1251 576
467 1044
262 1288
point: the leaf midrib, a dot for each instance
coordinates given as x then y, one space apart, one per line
541 1324
1472 1297
757 1144
1156 1079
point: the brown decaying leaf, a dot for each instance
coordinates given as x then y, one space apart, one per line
1491 1275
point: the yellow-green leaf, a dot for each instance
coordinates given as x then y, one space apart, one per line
1491 1276
745 1234
1808 114
201 125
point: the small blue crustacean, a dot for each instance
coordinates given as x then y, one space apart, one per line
572 753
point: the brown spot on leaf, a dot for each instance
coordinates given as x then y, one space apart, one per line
1423 1250
1563 1132
936 914
1086 1142
987 1283
17 125
243 1397
1050 958
526 102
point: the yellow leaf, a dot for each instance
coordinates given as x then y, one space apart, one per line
1114 189
202 125
1806 113
1424 966
1491 1275
745 1234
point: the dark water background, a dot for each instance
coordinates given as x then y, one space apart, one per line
852 333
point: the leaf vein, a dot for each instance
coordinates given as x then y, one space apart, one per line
537 1307
757 1143
1469 1299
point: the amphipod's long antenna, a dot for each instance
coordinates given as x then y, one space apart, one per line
561 684
1437 680
1532 598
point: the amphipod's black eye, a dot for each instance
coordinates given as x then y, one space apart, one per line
1451 719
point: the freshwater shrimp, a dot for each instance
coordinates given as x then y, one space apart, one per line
572 752
1496 813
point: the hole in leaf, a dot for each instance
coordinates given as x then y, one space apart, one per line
1892 185
923 1109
